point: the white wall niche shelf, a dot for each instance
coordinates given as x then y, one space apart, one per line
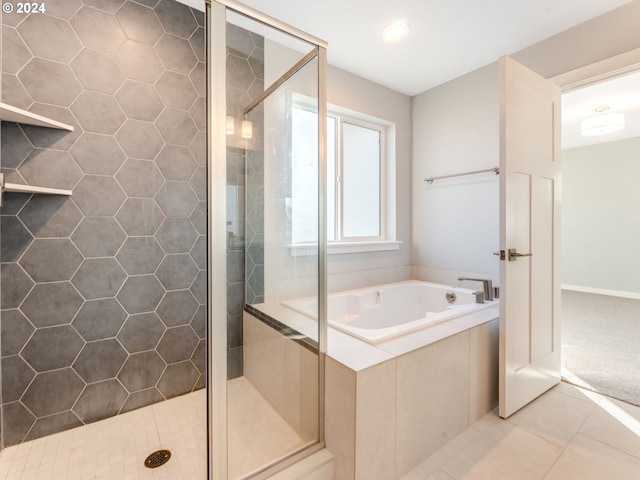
18 188
9 113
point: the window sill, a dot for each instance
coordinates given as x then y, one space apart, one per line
336 248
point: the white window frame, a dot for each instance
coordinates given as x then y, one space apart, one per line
386 240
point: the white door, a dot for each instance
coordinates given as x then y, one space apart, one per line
529 236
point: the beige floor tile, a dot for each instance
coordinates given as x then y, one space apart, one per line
554 416
617 424
588 459
517 454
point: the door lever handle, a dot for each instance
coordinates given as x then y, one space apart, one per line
512 254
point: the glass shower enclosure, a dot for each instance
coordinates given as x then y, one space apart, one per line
267 129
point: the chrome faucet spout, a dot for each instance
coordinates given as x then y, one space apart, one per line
487 287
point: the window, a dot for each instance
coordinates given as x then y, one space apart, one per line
356 175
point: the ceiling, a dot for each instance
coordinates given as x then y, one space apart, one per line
449 38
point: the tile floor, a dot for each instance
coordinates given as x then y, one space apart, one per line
566 434
115 449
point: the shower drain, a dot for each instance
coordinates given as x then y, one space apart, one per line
157 459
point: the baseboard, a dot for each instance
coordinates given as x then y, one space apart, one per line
602 291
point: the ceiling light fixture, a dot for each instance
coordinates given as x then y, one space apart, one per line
395 31
603 123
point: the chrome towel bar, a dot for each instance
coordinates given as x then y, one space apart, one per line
495 170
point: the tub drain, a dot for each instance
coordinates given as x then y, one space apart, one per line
157 459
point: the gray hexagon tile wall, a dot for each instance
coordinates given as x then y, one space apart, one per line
102 294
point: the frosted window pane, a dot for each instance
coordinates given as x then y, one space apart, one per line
360 181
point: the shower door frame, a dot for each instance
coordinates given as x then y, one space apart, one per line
217 434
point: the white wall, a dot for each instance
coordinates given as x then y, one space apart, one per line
601 217
455 127
455 221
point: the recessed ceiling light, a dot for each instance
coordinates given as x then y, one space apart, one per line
395 31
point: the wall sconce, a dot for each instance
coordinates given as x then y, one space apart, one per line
229 127
603 123
247 129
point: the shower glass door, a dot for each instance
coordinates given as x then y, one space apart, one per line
274 259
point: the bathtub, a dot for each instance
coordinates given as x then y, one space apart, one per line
380 313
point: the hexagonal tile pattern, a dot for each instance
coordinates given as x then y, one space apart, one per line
61 92
15 145
98 154
199 252
50 216
100 400
141 399
100 360
51 304
177 344
199 183
14 92
140 216
177 271
199 357
15 53
98 112
17 422
64 10
240 73
52 348
16 239
176 54
176 90
141 332
45 137
198 218
176 126
99 319
16 377
199 322
99 278
15 332
140 255
99 196
198 113
176 199
176 235
139 23
16 284
197 42
198 147
139 62
37 32
98 237
199 287
141 294
110 6
178 379
140 178
52 392
141 370
51 259
176 18
198 79
140 139
52 168
177 308
98 71
139 101
53 424
176 163
98 30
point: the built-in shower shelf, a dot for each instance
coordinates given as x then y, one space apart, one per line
9 113
18 188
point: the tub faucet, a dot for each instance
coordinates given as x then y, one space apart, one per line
487 287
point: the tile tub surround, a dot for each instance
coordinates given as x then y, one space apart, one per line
385 416
102 294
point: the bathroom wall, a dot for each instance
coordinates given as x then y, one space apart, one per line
103 293
600 218
455 128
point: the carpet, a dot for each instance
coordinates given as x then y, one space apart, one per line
601 344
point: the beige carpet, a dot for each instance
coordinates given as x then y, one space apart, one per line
601 344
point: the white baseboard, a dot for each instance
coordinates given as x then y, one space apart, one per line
602 291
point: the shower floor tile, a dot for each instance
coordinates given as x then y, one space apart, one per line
115 448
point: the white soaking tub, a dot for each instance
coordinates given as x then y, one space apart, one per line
380 313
